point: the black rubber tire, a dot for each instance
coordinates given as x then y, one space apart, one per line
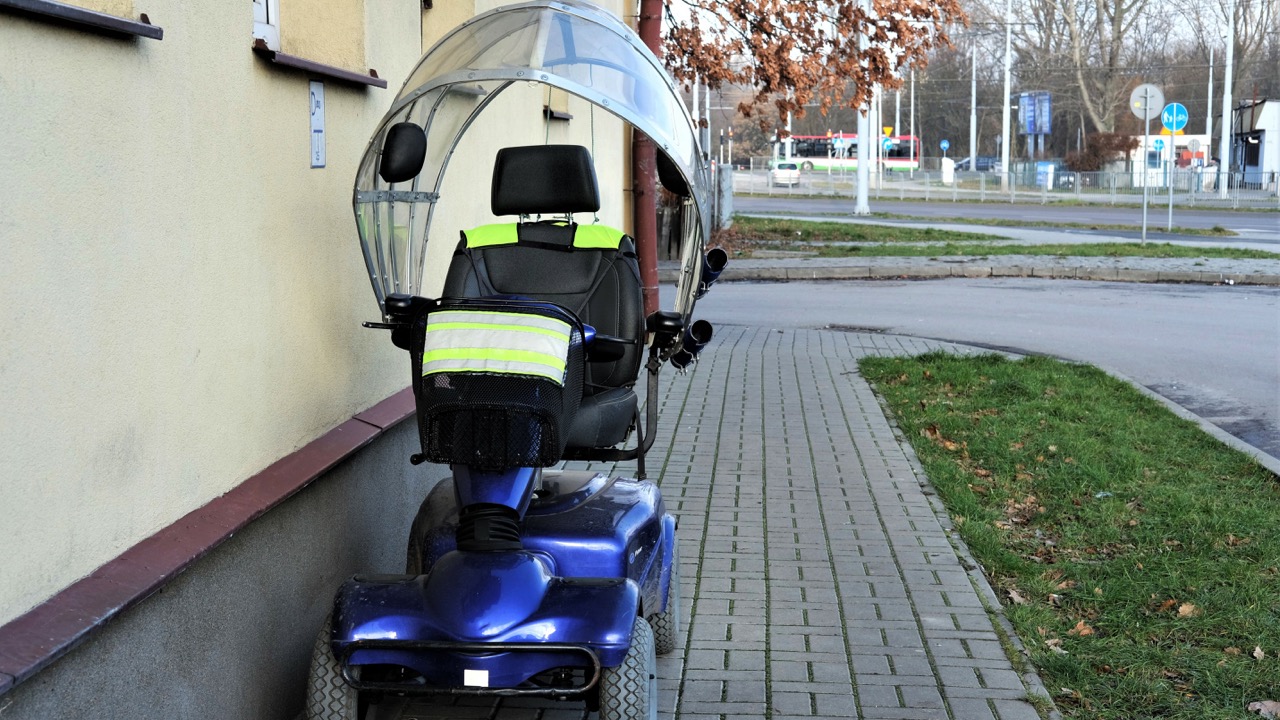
329 697
666 624
806 165
630 691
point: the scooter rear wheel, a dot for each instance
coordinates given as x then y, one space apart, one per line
630 691
329 697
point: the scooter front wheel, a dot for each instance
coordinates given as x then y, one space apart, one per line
630 690
666 624
329 697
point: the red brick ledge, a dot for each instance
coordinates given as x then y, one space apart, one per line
33 641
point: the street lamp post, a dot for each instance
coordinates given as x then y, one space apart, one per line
1224 144
973 107
1004 110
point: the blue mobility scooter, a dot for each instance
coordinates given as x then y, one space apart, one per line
522 578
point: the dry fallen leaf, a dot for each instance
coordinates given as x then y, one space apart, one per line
1080 630
1186 610
1017 598
1258 653
1055 645
1266 708
1232 651
1055 600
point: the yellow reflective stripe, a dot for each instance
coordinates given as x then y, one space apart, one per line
587 237
517 343
597 237
491 235
437 327
526 356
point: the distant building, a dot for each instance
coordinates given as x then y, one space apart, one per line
1255 146
1164 156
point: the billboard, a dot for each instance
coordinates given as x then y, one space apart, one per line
1035 113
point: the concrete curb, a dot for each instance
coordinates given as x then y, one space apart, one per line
938 271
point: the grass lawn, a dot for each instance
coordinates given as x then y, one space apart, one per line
832 239
1215 231
1138 557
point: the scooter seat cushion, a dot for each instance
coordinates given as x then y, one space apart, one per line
603 419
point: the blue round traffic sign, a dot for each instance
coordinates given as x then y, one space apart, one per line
946 145
1174 117
887 143
1158 144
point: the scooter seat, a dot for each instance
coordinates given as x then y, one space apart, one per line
603 418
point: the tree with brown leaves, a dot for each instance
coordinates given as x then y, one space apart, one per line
796 53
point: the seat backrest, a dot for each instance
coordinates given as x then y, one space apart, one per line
589 269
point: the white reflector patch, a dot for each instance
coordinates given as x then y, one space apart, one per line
475 678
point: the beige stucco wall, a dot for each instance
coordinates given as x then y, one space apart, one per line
183 294
443 17
119 8
330 32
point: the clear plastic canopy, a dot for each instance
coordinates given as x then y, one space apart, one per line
567 44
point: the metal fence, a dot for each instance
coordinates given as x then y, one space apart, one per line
1187 187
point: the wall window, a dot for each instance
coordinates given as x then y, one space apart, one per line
266 19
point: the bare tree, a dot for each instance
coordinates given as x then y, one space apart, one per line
794 53
1101 33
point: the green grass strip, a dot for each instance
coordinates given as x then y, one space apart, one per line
1125 249
898 241
1137 555
1215 231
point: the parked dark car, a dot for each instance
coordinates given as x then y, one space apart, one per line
983 163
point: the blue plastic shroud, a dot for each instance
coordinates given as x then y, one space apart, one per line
596 553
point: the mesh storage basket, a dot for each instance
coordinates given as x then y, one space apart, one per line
497 384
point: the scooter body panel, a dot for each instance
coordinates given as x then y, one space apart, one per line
587 524
494 598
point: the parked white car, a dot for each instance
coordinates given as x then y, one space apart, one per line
785 173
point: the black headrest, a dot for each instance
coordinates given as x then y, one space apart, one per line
544 179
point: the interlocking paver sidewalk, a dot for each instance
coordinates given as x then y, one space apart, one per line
819 579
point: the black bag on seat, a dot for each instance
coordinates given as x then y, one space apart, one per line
497 384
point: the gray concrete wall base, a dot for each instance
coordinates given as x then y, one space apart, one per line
231 637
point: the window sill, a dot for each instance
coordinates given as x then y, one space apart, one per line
83 19
311 66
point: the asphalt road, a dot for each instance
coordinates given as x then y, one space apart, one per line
1254 226
1213 349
